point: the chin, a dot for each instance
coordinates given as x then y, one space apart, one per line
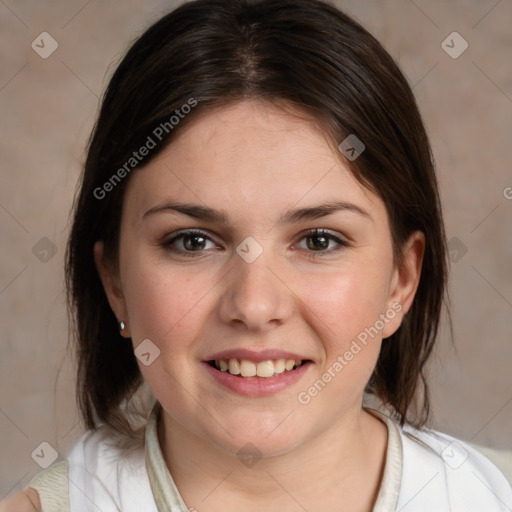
258 439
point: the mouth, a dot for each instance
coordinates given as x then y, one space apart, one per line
245 368
257 373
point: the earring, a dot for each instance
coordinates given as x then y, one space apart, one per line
122 326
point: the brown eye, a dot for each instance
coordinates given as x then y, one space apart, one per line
321 241
317 242
194 242
189 242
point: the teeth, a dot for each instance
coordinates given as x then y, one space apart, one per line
234 367
279 366
263 369
247 368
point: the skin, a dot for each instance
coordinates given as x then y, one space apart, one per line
254 162
24 501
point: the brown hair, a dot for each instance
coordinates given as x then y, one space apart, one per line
303 53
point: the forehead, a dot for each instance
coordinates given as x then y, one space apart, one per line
251 157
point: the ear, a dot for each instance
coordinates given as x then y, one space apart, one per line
112 285
404 283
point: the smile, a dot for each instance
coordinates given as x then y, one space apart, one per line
257 376
264 369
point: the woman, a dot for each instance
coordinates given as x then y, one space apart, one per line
258 240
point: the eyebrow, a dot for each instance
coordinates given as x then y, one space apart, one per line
205 213
322 210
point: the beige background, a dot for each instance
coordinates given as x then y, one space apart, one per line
47 109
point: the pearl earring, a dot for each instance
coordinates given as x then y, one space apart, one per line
122 326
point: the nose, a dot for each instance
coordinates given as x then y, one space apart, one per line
255 296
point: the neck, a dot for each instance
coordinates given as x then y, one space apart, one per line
342 464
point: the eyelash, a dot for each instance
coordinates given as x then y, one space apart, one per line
310 233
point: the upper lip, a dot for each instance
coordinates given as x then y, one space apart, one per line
256 356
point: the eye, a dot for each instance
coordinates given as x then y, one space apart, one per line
321 240
190 241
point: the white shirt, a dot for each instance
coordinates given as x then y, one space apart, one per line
424 472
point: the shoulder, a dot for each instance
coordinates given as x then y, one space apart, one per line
110 470
25 501
100 449
104 468
439 467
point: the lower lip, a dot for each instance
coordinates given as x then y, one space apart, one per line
257 386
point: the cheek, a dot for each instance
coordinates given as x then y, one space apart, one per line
343 313
163 305
166 309
346 304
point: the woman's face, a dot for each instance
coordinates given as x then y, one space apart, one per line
254 287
